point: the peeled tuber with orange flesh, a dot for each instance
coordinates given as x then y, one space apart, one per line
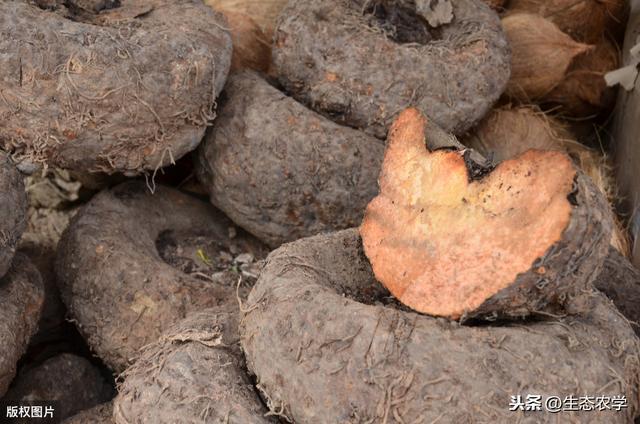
451 238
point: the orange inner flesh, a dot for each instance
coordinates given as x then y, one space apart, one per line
442 244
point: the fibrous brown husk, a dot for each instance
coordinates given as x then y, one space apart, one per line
132 263
21 299
507 132
361 62
326 343
584 92
285 172
541 55
194 374
126 90
598 167
454 238
101 414
251 47
69 380
510 131
584 20
13 211
263 12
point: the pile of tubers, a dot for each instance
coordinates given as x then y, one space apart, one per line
346 211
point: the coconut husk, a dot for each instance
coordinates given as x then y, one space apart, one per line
251 47
584 91
263 12
510 131
597 166
584 20
541 56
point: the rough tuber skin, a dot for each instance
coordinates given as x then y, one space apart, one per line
13 211
361 62
328 345
194 373
450 238
280 170
128 89
21 300
117 287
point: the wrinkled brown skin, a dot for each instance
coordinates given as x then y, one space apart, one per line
21 299
101 414
70 380
118 290
194 374
326 350
13 211
620 281
327 57
281 171
125 90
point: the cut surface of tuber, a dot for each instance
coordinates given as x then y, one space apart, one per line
445 242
